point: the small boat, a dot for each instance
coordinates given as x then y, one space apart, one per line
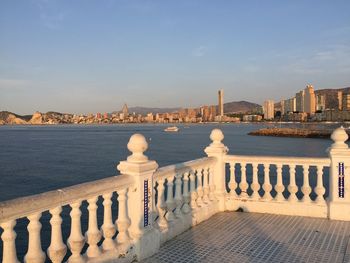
172 129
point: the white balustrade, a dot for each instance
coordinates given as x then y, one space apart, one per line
194 195
212 187
255 183
170 203
292 187
233 184
243 185
186 195
279 184
178 196
320 189
161 205
267 185
206 189
8 238
35 252
108 228
306 189
123 221
200 191
93 234
57 249
76 239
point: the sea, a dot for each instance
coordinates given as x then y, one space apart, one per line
36 159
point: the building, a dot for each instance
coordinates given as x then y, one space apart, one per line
269 109
309 100
320 102
288 106
125 111
221 103
340 100
299 101
346 102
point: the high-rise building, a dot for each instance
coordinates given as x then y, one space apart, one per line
269 109
346 101
309 100
289 105
125 110
221 103
320 102
299 101
340 100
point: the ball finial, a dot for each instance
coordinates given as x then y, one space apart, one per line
137 145
216 136
339 136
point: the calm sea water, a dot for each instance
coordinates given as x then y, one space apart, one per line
35 159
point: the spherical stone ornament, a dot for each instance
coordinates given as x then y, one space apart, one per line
137 145
339 136
216 136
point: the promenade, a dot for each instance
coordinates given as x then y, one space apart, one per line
252 237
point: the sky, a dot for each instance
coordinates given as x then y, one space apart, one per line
95 55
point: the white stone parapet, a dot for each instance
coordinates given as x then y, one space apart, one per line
156 204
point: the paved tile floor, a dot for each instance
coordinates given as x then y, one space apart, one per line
252 237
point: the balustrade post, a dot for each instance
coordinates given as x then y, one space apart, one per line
194 194
267 185
320 189
206 185
35 253
243 185
178 196
93 234
9 245
279 184
186 196
306 189
218 150
255 184
57 249
292 187
76 239
339 177
145 236
108 228
161 206
170 203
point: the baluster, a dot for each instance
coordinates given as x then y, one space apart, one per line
255 184
170 204
200 191
233 183
306 189
292 187
206 185
186 196
93 235
267 185
243 184
123 221
194 194
178 195
320 190
57 249
162 222
108 228
34 253
76 239
211 184
279 184
9 245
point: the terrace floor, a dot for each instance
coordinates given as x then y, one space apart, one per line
251 237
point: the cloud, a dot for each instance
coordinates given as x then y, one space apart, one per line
49 15
199 51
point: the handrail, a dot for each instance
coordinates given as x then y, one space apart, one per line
24 206
278 160
171 170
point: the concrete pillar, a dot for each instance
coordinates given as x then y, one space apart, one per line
339 177
218 150
145 237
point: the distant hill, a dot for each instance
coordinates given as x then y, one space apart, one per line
332 96
241 107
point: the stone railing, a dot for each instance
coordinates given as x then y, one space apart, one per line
156 204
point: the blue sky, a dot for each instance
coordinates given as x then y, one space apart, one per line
92 56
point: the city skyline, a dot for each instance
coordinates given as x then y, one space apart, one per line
93 57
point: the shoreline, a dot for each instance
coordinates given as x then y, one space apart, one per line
292 133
